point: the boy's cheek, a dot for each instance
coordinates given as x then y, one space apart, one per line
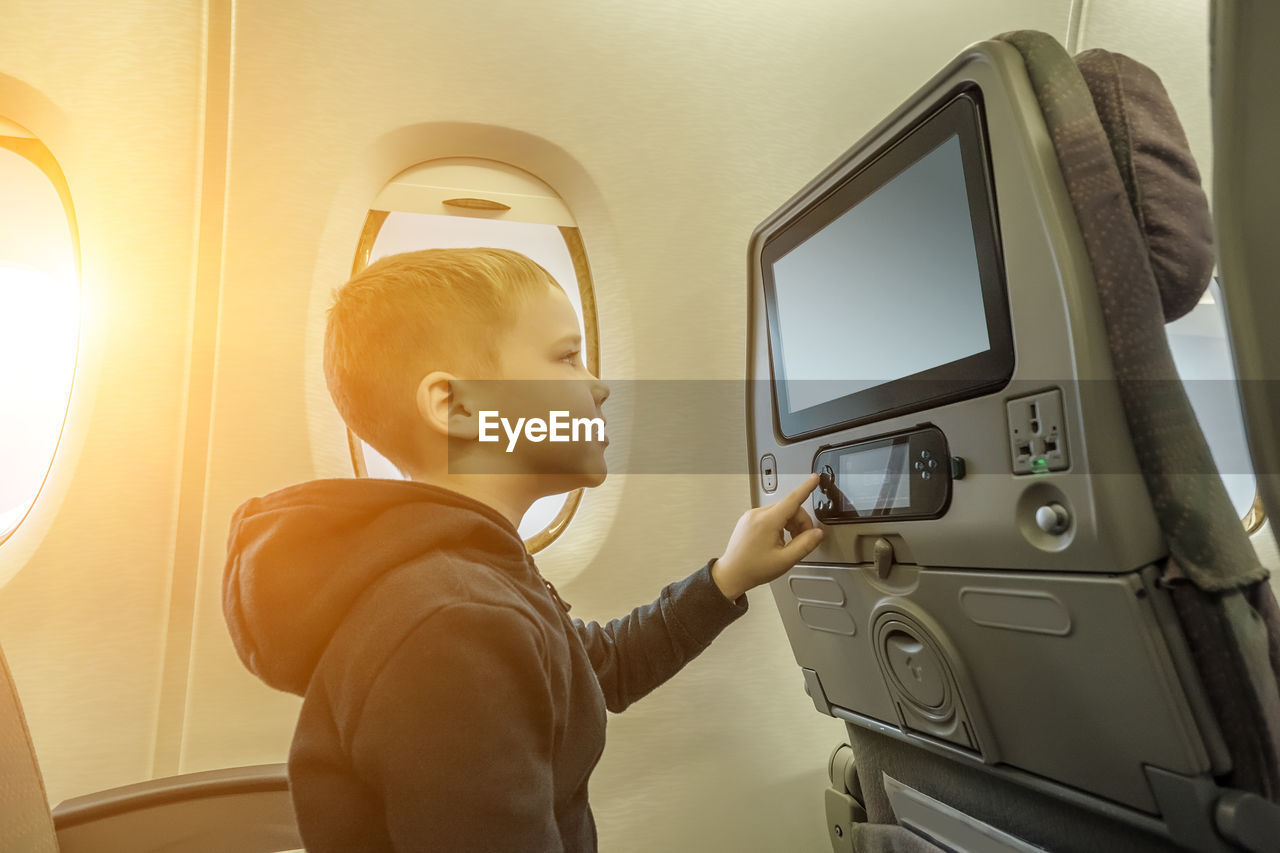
541 448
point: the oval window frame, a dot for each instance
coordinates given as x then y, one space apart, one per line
488 202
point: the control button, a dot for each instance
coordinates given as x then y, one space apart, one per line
768 472
919 465
924 475
957 468
933 463
826 480
924 454
1053 519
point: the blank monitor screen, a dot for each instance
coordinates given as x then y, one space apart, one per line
894 276
876 478
899 266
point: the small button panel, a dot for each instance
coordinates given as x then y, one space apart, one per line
914 464
926 464
824 496
768 473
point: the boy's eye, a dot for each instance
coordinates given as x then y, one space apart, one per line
571 357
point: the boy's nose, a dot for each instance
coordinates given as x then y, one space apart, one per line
599 391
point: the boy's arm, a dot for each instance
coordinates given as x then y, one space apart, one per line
634 654
456 735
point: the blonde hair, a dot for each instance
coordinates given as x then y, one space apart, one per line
409 314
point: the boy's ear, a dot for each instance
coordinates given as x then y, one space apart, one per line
443 403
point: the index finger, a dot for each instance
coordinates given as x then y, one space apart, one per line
798 523
787 506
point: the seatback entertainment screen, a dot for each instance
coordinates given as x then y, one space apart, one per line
887 295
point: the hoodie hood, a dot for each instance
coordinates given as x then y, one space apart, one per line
298 558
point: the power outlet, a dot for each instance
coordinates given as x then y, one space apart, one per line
1037 433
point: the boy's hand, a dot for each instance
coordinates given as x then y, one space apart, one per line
757 552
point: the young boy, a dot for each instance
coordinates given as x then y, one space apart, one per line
450 703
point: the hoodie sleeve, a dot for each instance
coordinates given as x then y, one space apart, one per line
635 654
456 735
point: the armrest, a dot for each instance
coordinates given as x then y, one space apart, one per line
214 811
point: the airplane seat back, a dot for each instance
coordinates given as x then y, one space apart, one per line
1151 269
25 820
1035 609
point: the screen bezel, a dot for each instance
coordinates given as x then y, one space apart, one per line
967 377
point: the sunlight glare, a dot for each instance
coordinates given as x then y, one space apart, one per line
39 323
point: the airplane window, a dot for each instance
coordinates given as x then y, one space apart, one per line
464 202
1202 355
39 317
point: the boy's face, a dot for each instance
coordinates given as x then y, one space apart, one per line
542 368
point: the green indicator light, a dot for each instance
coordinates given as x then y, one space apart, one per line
1040 464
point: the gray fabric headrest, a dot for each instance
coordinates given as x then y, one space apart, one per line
1159 173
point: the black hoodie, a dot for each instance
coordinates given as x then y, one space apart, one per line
450 703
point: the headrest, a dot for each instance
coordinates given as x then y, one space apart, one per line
1160 175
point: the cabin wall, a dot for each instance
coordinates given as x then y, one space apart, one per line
210 251
115 93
